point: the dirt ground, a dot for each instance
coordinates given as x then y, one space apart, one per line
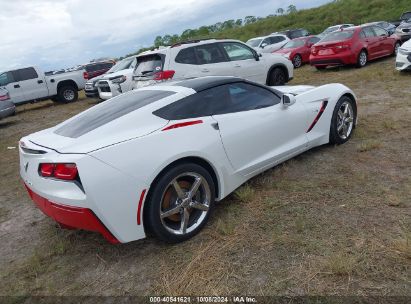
333 221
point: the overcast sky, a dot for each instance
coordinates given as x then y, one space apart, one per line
62 33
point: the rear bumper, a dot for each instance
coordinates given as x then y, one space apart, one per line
72 217
333 60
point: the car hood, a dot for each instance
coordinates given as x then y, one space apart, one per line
406 45
404 25
285 51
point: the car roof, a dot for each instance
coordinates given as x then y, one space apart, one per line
204 83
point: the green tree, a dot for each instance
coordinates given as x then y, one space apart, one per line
291 9
280 11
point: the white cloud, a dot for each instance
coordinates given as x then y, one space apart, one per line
60 33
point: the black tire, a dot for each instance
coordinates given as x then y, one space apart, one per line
67 94
297 61
278 77
320 68
362 61
335 137
152 219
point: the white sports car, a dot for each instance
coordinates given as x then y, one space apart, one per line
157 158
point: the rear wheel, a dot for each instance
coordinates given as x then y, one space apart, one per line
343 121
67 94
180 203
277 77
297 61
362 59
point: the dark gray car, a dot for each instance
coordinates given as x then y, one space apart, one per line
7 108
404 30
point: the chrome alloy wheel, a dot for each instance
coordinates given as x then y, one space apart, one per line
68 95
345 120
363 58
185 203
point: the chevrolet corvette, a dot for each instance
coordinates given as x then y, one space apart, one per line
155 160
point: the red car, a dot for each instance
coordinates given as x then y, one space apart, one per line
353 45
298 50
95 69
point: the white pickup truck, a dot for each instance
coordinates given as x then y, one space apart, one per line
31 84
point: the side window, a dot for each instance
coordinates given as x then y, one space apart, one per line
186 56
224 99
247 97
280 39
236 51
295 34
368 32
362 35
379 31
25 74
209 53
267 41
6 78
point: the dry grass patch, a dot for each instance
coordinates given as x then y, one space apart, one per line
369 145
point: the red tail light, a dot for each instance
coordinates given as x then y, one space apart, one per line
164 75
85 75
342 47
59 171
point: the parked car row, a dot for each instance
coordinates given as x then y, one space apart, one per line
267 60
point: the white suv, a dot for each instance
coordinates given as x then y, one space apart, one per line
211 57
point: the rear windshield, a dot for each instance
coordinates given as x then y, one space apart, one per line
254 42
109 111
338 36
406 16
147 65
294 44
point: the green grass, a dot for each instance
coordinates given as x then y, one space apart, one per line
315 20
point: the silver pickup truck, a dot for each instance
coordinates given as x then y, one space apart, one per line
31 84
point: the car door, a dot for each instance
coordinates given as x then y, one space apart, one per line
31 84
276 42
202 60
257 131
8 81
373 45
385 45
243 62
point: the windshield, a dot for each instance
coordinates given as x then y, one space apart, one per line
122 65
337 36
294 44
254 42
331 29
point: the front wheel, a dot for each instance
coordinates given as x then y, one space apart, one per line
278 77
343 121
180 203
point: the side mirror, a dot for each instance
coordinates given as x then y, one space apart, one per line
288 100
257 56
263 45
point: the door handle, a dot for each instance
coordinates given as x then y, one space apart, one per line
16 86
39 81
237 66
205 70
